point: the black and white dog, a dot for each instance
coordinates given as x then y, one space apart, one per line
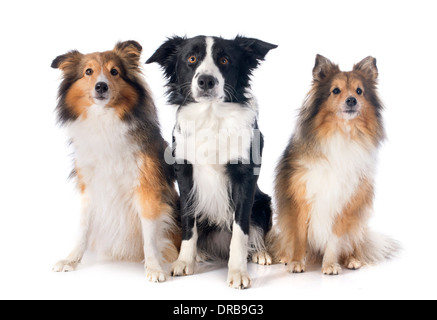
217 151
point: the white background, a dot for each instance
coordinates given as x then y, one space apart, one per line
39 208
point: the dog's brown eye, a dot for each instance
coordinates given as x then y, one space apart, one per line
359 91
89 72
336 91
192 59
224 61
114 72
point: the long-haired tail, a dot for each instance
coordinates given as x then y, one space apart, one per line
376 248
273 245
373 248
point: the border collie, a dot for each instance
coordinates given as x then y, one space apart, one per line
127 188
217 151
325 179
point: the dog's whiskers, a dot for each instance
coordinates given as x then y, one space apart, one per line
231 92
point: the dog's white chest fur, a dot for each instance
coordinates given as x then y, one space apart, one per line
209 136
331 181
105 158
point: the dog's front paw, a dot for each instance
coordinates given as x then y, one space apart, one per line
65 266
296 267
182 268
353 264
262 258
331 269
239 280
155 275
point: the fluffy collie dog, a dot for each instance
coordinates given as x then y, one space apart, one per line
128 191
217 151
324 182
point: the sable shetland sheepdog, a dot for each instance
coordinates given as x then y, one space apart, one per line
324 182
128 191
217 150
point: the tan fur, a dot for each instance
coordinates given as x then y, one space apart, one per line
322 118
292 220
355 215
128 192
154 196
152 189
79 97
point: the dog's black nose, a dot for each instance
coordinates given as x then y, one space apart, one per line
102 87
207 82
351 102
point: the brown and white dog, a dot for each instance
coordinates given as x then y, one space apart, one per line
128 194
325 179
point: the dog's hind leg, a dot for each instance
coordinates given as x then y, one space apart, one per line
261 224
259 253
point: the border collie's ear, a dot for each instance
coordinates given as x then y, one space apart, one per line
129 50
368 66
166 55
64 61
323 67
254 48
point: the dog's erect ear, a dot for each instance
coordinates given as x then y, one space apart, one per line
166 55
67 60
129 51
256 50
368 66
323 68
166 51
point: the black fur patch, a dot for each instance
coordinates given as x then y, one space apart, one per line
244 55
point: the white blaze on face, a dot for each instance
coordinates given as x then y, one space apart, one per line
104 98
210 68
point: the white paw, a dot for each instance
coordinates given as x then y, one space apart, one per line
238 280
296 267
64 266
262 258
354 264
155 275
331 269
182 268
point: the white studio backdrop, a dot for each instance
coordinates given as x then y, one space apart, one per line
39 208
